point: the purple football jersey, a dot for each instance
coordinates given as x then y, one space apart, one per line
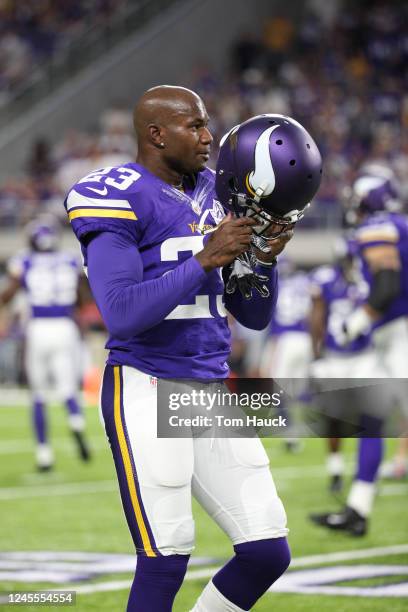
386 229
165 224
341 298
50 280
293 305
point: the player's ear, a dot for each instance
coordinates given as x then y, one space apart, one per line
156 134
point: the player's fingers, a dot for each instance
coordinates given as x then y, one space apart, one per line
243 221
225 220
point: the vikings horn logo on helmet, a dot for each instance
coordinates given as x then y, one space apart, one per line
272 172
263 177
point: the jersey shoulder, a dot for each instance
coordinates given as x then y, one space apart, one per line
378 229
110 199
69 258
323 275
18 263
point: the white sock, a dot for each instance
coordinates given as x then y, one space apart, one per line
211 600
44 455
361 497
335 464
76 422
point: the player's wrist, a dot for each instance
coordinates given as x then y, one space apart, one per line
265 258
271 263
204 261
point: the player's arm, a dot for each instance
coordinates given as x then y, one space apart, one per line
130 305
317 322
256 313
384 263
10 290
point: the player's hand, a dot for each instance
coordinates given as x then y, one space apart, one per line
276 245
231 238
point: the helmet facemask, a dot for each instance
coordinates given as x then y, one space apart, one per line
244 206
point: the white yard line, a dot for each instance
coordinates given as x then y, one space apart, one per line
78 488
72 488
26 446
350 555
200 574
396 488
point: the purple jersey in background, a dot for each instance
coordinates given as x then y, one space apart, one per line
293 305
341 298
164 223
50 281
387 229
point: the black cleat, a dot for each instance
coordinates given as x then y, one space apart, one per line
83 447
293 445
347 520
44 468
336 484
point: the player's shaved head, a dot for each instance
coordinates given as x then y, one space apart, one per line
172 134
160 105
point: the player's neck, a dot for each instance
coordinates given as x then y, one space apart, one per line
162 171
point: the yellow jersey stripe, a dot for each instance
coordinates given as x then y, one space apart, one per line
128 466
377 237
100 212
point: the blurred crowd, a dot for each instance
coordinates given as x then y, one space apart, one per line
51 171
343 74
34 31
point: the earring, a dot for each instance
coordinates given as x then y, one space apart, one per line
162 145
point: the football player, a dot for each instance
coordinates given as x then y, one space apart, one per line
288 350
382 240
49 277
156 279
336 291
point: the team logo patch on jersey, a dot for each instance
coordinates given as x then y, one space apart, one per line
196 227
217 212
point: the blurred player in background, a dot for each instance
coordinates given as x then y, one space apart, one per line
49 278
336 292
382 240
246 350
288 350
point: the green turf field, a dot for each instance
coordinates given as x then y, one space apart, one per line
76 509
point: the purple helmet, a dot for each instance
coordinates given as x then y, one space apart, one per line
377 192
268 167
43 234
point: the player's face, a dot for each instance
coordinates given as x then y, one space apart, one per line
188 139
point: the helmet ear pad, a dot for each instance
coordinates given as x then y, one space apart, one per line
271 160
